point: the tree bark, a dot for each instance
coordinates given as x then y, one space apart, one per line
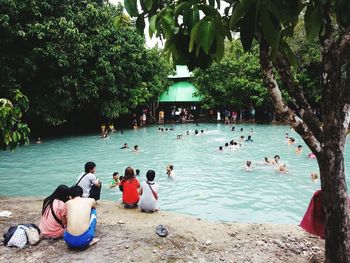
335 126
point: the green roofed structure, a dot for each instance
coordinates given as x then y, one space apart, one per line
182 91
180 102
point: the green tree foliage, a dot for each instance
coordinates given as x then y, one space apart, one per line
154 73
72 57
12 131
234 82
308 55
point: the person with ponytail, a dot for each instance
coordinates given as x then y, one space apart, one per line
53 214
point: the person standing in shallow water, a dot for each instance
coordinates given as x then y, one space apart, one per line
170 171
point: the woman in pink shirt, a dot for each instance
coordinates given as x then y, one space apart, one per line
53 215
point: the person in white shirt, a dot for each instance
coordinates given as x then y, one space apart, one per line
87 179
149 193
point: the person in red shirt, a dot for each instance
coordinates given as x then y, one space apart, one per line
129 185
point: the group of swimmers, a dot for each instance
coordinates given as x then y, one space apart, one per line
281 167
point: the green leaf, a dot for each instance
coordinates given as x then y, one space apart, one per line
146 4
131 7
168 23
239 10
208 10
270 29
195 15
181 7
248 29
288 53
206 35
140 24
191 17
313 22
194 33
220 46
152 23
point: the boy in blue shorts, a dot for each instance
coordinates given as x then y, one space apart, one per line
81 220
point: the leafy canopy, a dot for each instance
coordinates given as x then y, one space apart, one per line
195 30
74 58
12 131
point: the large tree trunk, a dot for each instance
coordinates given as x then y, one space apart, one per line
326 142
335 201
331 162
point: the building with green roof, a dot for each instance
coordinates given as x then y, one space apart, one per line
182 94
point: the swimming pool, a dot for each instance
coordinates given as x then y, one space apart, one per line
209 184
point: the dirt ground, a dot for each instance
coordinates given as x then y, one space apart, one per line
129 236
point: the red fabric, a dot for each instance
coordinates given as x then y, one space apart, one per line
314 218
130 191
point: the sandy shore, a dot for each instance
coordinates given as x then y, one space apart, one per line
129 236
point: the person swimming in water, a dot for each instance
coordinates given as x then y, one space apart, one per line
291 140
274 161
248 166
125 146
282 168
249 139
170 171
299 149
314 177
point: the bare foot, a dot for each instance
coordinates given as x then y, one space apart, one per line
94 241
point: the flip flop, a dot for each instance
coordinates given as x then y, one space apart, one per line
161 231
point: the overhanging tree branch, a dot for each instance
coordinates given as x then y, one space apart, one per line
285 112
296 92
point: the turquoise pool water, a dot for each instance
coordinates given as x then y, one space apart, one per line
209 184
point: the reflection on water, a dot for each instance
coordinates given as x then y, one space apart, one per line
209 184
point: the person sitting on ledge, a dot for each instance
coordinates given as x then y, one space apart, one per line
129 185
81 220
149 193
53 214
